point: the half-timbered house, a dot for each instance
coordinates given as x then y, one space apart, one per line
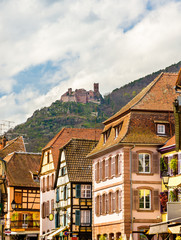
74 190
48 169
23 204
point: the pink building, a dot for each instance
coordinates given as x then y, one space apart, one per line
126 175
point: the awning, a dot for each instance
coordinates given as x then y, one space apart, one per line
56 232
174 181
161 228
44 235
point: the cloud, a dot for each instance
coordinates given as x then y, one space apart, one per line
48 46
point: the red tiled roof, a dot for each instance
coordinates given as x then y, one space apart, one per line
19 168
16 144
65 135
170 142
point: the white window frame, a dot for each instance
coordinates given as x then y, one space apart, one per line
161 128
86 191
85 218
144 166
144 208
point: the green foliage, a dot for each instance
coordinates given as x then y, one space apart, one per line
173 165
102 237
163 165
172 196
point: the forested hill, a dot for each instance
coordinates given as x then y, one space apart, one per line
39 129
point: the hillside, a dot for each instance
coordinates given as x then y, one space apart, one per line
39 129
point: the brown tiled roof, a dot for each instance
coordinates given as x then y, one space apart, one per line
65 135
153 97
19 168
79 168
16 144
157 97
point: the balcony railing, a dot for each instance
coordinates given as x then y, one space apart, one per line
25 224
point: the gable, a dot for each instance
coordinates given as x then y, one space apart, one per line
47 162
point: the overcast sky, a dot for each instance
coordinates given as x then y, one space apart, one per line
48 46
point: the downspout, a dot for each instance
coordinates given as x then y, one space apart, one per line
131 191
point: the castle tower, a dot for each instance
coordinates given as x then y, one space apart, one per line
96 87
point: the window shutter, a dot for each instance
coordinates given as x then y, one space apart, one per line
52 206
91 217
78 190
57 195
43 210
63 220
134 162
106 168
120 164
135 199
107 203
77 217
156 162
113 166
47 183
56 220
116 164
100 205
52 187
156 200
113 202
120 200
66 220
47 208
100 171
95 204
96 179
66 192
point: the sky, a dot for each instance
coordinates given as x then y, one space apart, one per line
48 46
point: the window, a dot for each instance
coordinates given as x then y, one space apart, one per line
144 199
48 157
160 128
106 134
65 192
63 171
85 191
43 185
118 129
52 181
144 162
85 218
18 199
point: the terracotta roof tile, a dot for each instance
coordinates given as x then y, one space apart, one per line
170 142
65 135
16 144
19 166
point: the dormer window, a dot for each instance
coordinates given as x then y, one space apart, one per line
117 129
160 128
106 134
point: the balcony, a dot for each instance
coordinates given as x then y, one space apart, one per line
26 224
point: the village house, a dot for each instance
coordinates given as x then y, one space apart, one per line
82 96
74 191
126 172
22 219
47 172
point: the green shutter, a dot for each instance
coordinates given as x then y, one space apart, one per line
56 220
78 190
1 208
77 217
66 192
57 195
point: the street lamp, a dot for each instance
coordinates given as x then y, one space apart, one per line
165 177
13 204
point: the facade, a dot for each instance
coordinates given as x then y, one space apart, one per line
126 172
74 190
23 189
48 169
82 96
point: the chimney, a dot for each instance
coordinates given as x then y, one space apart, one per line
96 87
4 141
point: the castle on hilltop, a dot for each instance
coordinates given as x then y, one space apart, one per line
82 96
